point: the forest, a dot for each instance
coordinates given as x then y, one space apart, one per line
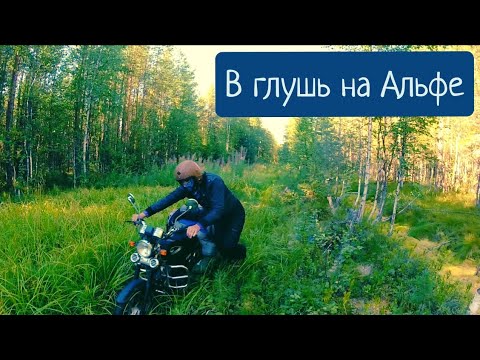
71 114
375 215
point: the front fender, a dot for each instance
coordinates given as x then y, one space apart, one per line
131 286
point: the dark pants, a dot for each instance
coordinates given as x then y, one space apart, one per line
227 231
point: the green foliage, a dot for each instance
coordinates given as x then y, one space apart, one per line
88 112
407 285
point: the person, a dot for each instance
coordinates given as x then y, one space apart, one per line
219 207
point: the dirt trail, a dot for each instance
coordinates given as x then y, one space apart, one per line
465 272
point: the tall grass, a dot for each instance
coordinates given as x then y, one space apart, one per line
67 253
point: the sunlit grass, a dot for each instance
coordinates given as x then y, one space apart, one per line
445 218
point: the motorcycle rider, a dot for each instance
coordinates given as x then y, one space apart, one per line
220 208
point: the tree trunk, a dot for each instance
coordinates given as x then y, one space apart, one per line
367 171
395 203
145 139
360 165
440 175
24 126
377 192
3 79
400 177
227 142
455 165
359 187
10 170
76 144
27 141
77 124
19 115
86 143
478 190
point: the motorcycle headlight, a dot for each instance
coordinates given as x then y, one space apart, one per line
144 248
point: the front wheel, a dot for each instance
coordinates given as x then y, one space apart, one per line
132 300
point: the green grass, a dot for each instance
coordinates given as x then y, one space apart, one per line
67 253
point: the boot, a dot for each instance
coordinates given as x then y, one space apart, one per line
235 254
201 266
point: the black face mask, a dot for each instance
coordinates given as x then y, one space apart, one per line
188 184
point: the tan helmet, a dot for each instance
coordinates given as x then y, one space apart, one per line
186 169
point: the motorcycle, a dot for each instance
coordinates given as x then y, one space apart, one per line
163 262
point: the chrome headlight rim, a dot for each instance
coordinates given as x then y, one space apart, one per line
135 258
144 248
153 263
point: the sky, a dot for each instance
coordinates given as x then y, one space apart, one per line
202 61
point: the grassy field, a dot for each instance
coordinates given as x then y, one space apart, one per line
67 253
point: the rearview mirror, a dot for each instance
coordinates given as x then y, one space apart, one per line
131 200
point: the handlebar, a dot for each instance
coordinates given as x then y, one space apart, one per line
136 223
133 222
145 230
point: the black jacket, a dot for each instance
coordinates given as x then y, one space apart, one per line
211 193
